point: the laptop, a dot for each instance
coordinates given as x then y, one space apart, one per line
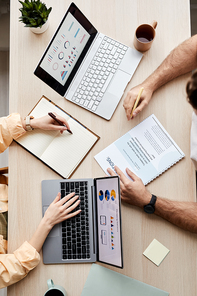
93 235
85 66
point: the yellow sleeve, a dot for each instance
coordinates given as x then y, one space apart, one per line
14 267
10 128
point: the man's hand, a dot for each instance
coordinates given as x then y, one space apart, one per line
131 97
132 192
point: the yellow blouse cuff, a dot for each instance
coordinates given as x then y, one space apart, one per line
28 256
15 125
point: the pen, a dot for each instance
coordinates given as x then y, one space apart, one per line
137 100
58 121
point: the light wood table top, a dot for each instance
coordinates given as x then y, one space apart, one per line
117 19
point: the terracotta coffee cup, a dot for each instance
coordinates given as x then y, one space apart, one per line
144 36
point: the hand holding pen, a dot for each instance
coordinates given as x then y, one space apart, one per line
62 122
131 99
49 123
137 100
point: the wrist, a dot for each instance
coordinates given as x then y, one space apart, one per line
145 199
34 122
45 222
149 86
150 207
27 123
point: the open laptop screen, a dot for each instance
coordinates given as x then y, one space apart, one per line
109 221
66 50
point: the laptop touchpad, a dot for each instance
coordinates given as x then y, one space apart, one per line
119 83
55 231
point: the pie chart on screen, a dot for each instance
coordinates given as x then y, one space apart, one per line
101 195
113 195
107 195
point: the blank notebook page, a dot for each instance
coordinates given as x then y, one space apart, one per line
71 148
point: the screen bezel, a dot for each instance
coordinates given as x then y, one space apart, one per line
97 220
46 77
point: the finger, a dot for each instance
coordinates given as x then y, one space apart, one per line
67 197
71 201
131 174
121 185
128 112
72 207
140 107
128 106
63 120
111 172
57 198
72 214
57 127
122 176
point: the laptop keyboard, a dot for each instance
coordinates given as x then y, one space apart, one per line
75 231
99 74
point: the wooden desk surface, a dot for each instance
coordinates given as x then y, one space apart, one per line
118 19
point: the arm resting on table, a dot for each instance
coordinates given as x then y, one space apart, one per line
14 267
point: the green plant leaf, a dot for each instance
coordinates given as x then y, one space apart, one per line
33 13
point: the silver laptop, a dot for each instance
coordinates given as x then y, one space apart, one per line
87 67
93 235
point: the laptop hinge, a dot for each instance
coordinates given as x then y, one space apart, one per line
94 219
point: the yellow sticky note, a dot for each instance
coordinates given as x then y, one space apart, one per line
156 252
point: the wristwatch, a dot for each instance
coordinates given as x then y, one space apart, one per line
27 123
150 208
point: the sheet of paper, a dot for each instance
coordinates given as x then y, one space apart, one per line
156 252
102 281
147 150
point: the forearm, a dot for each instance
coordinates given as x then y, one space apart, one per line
181 214
40 235
181 60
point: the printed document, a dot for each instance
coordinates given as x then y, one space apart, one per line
147 150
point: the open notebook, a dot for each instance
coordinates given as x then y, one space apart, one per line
61 152
147 150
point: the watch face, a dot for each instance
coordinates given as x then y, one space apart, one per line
149 209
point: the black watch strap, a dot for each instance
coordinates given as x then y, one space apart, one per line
150 208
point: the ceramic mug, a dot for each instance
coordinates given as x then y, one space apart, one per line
144 36
54 290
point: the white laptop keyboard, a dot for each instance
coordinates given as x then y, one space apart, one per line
99 74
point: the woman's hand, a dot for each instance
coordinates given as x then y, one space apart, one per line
60 209
48 123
